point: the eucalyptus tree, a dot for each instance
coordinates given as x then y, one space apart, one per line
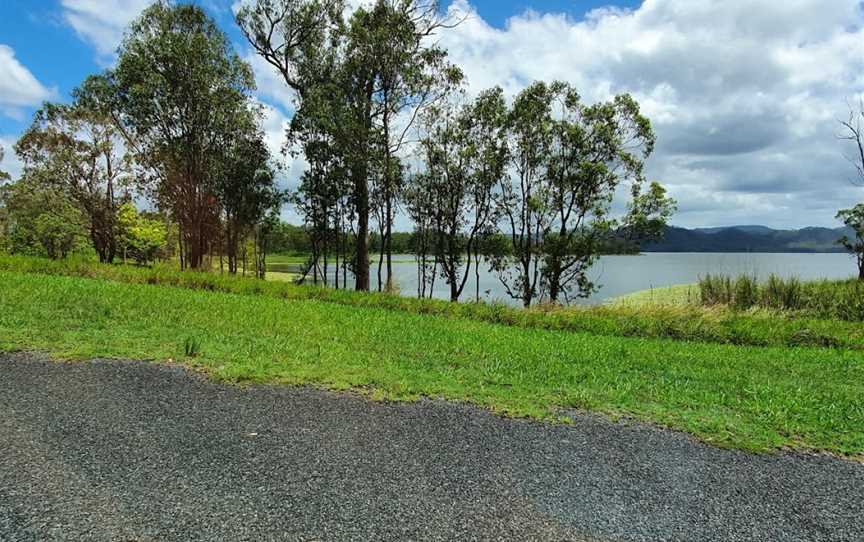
410 73
854 219
594 149
567 161
464 153
419 197
245 186
379 67
648 213
76 149
522 196
323 196
318 200
306 41
853 132
178 90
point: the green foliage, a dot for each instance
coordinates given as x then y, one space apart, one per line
567 161
182 94
451 201
854 218
648 214
4 176
141 238
191 347
75 150
39 221
743 397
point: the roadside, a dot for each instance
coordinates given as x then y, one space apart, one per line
110 450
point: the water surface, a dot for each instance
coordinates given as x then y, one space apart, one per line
620 275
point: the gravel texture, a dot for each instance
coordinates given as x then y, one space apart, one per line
113 450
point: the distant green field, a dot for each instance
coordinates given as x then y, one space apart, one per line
678 295
754 398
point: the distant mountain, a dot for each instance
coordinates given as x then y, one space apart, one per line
748 239
748 229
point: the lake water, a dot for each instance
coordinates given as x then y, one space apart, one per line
620 275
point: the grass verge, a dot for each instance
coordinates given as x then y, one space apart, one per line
705 324
744 397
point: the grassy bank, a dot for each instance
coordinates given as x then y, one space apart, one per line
744 397
717 324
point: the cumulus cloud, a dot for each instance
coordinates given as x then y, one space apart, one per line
18 87
102 22
744 95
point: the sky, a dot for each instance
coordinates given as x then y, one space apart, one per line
745 95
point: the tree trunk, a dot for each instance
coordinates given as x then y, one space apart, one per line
380 255
361 191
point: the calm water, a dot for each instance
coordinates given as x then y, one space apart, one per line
619 275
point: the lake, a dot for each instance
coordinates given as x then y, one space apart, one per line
620 275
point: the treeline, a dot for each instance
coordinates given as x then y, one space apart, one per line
286 238
385 123
521 185
173 124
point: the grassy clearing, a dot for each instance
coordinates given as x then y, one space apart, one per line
676 296
744 397
713 324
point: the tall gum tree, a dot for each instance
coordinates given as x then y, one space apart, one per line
179 88
379 67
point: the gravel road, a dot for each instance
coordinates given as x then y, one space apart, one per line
112 450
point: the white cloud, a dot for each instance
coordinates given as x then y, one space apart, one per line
18 87
744 95
102 22
269 82
10 163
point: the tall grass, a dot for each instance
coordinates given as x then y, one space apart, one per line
840 299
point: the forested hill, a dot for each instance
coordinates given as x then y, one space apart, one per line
748 239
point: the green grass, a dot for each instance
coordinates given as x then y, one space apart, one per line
677 295
744 397
711 324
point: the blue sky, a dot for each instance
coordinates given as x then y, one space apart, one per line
59 58
744 94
